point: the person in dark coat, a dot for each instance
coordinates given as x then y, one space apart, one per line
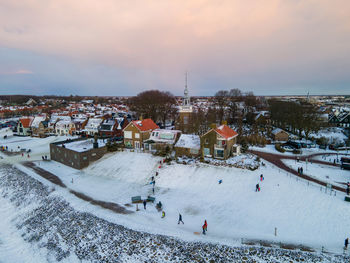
261 177
346 243
203 227
180 219
301 170
348 190
144 204
257 188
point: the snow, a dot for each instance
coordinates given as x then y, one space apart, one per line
233 209
5 132
36 121
333 134
270 148
325 173
83 145
189 141
302 213
13 248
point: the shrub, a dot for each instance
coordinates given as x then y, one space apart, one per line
279 148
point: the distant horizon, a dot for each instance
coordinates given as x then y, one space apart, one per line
195 96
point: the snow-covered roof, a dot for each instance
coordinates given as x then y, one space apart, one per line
163 135
277 130
189 141
82 146
36 121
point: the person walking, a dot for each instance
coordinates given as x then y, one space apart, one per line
261 177
301 170
144 204
203 228
180 220
257 188
346 243
206 225
348 190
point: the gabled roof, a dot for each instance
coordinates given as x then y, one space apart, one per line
26 122
226 132
278 130
145 125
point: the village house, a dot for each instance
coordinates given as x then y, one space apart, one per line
77 125
188 145
162 139
91 128
35 125
43 129
53 121
62 127
23 126
113 127
279 135
219 142
136 132
341 119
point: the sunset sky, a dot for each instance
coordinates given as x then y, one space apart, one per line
114 47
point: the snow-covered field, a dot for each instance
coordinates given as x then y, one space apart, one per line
325 173
233 209
302 214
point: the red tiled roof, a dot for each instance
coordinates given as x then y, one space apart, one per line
26 122
226 131
145 125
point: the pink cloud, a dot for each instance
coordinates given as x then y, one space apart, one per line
17 72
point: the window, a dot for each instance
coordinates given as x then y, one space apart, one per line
85 158
194 151
185 119
137 135
206 140
93 154
75 156
206 151
219 153
128 134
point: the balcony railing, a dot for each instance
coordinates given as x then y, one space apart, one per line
220 146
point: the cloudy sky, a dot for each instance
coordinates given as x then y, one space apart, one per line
117 47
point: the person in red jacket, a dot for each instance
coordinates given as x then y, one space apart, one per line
205 227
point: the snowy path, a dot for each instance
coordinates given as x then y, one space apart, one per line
277 160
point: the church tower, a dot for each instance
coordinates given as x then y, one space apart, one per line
184 122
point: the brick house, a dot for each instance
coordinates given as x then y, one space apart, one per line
113 127
219 142
136 132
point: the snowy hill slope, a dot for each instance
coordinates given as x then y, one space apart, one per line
302 214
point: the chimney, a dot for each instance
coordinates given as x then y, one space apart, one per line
141 118
213 125
224 122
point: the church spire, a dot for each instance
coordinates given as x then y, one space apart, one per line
186 99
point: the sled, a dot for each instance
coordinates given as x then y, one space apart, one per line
196 233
